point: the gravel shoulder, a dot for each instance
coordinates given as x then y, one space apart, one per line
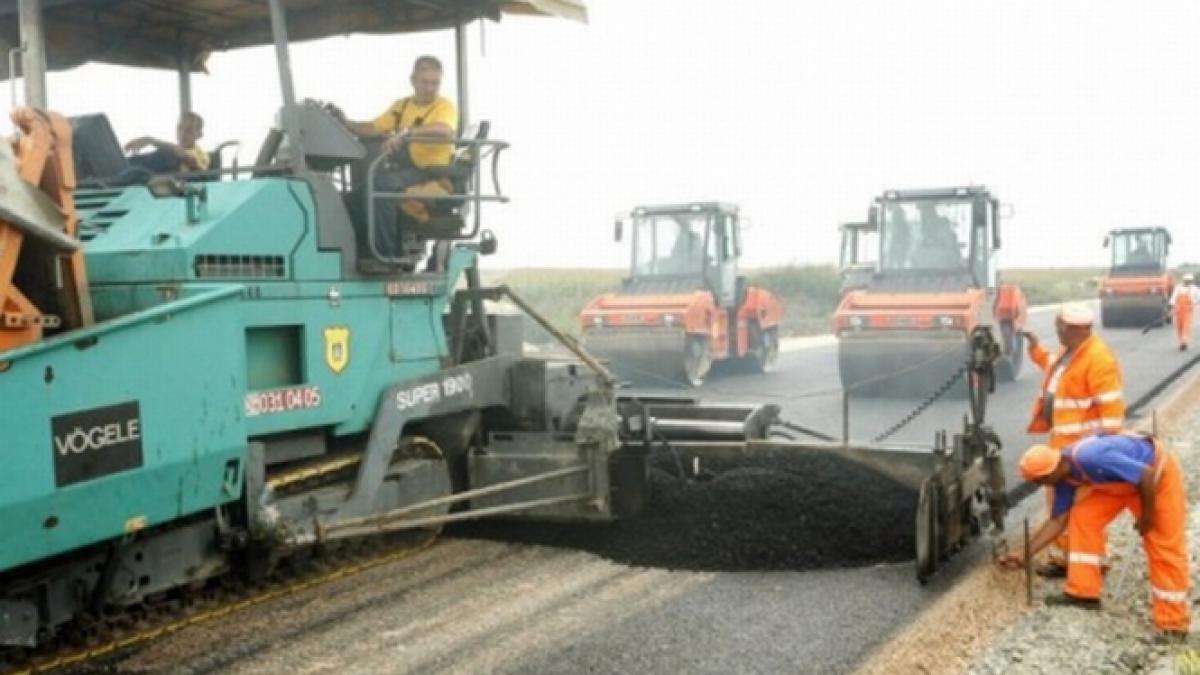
1119 639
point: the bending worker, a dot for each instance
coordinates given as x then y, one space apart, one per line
1080 396
1184 299
1117 472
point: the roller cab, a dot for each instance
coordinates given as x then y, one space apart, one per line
1138 286
683 307
904 329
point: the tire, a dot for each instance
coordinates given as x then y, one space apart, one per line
1008 368
768 350
423 448
925 534
696 361
764 350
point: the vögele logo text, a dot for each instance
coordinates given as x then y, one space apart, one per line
80 440
88 444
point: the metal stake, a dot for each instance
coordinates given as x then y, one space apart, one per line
1028 568
845 418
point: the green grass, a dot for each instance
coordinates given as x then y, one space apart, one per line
558 294
809 292
1045 286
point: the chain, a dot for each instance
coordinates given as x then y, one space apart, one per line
921 407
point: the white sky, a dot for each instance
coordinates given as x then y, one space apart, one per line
1083 115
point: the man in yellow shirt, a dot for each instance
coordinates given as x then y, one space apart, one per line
183 155
424 115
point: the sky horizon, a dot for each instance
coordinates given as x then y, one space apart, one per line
1082 116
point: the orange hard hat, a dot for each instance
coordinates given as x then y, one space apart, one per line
1039 461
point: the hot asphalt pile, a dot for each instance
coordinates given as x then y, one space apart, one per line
799 513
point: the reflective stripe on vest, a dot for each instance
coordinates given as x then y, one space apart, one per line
1059 369
1084 559
1085 403
1076 428
1177 597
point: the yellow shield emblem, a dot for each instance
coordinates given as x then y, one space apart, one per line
337 348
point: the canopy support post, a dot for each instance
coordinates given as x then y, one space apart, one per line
185 83
460 66
33 57
289 114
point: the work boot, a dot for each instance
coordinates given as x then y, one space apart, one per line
1183 348
1052 570
1067 600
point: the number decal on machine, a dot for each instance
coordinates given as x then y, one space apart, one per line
282 400
453 386
88 444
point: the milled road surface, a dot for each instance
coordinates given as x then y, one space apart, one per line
470 606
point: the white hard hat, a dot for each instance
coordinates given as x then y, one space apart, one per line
1076 314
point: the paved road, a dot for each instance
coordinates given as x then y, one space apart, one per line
480 606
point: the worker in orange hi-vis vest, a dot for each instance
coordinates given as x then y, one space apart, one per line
1094 481
1081 395
1184 299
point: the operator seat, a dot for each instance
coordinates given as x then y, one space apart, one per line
447 218
95 149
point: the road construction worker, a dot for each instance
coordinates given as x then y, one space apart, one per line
898 239
424 115
185 154
1094 480
1142 254
1184 299
938 247
1081 395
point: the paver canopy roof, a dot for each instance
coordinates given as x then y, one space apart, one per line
164 33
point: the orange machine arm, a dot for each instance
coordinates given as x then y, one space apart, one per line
42 150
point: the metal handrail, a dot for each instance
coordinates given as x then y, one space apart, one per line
474 197
266 170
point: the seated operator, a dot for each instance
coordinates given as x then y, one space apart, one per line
1142 254
939 243
183 155
685 255
423 115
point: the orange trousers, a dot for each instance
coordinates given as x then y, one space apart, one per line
1183 320
1165 544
